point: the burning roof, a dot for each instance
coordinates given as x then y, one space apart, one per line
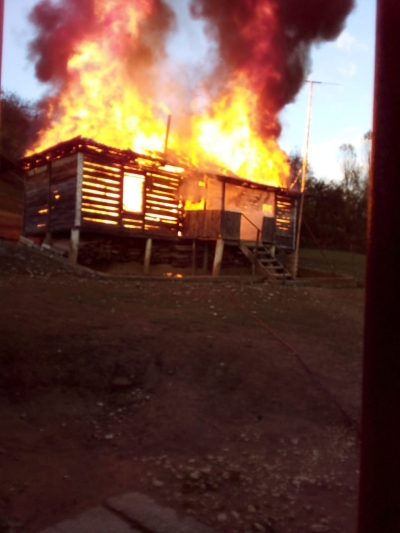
112 79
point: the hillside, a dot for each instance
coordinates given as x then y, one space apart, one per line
176 389
11 201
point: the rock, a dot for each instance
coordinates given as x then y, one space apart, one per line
195 475
157 483
319 528
259 527
235 515
222 517
120 383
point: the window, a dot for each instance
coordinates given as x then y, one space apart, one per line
133 193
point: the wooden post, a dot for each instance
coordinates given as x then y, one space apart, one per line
167 134
219 252
205 257
75 231
74 246
1 47
49 202
147 256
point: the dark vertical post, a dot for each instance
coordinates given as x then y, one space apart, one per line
379 502
194 256
121 197
1 49
167 134
1 37
205 257
49 202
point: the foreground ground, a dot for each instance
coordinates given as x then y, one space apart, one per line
178 390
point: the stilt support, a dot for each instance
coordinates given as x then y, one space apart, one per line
219 252
74 246
205 258
194 256
147 256
48 239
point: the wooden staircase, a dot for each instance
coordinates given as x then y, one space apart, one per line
265 262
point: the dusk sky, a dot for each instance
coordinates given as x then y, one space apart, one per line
341 113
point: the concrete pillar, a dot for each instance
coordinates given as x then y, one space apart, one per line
74 246
147 256
48 239
219 252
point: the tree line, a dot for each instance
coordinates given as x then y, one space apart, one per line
336 212
20 124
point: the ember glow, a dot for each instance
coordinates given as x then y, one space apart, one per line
107 62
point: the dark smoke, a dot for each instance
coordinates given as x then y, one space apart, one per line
269 41
59 29
61 26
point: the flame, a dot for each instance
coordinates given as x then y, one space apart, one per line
103 100
100 99
227 135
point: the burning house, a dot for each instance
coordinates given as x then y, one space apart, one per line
223 179
84 189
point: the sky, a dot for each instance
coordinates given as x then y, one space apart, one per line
341 114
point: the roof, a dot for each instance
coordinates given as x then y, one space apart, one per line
129 157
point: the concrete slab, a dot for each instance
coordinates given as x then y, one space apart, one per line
146 513
97 520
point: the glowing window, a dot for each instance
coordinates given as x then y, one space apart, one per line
133 193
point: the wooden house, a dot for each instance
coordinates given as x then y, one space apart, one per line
81 188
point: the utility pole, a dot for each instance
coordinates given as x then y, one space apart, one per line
303 178
304 171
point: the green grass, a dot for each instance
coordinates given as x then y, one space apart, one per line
347 263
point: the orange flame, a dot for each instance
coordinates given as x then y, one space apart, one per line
103 100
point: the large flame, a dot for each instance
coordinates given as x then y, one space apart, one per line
106 98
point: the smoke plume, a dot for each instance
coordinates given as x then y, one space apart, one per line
268 42
113 80
61 27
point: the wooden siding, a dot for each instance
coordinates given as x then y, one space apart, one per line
37 200
50 194
268 233
212 225
101 191
286 217
63 193
102 198
163 213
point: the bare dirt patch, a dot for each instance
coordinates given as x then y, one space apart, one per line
173 389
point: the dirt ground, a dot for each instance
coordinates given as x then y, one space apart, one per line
176 389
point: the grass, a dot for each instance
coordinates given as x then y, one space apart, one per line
347 263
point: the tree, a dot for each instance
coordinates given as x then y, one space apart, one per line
18 125
336 211
352 172
367 148
296 168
